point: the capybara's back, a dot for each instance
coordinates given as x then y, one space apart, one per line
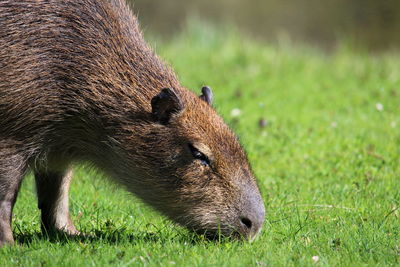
79 84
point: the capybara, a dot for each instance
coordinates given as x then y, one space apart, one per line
78 84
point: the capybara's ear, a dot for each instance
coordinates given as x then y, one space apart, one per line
206 95
166 103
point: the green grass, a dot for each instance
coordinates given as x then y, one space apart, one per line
327 164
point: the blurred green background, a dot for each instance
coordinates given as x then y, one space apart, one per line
369 24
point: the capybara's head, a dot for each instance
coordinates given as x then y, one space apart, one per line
193 169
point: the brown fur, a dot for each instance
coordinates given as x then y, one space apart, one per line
76 85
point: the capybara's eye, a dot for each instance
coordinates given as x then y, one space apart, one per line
199 155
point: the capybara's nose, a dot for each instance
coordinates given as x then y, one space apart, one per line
251 218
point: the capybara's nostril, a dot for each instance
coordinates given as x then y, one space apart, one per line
246 222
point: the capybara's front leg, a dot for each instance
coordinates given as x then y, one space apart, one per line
52 189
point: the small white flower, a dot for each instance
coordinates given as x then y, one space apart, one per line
315 258
393 124
236 112
379 106
334 124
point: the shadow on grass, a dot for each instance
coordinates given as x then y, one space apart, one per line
115 237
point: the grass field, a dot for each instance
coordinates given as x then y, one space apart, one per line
326 156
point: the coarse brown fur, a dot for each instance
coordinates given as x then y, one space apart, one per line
79 84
